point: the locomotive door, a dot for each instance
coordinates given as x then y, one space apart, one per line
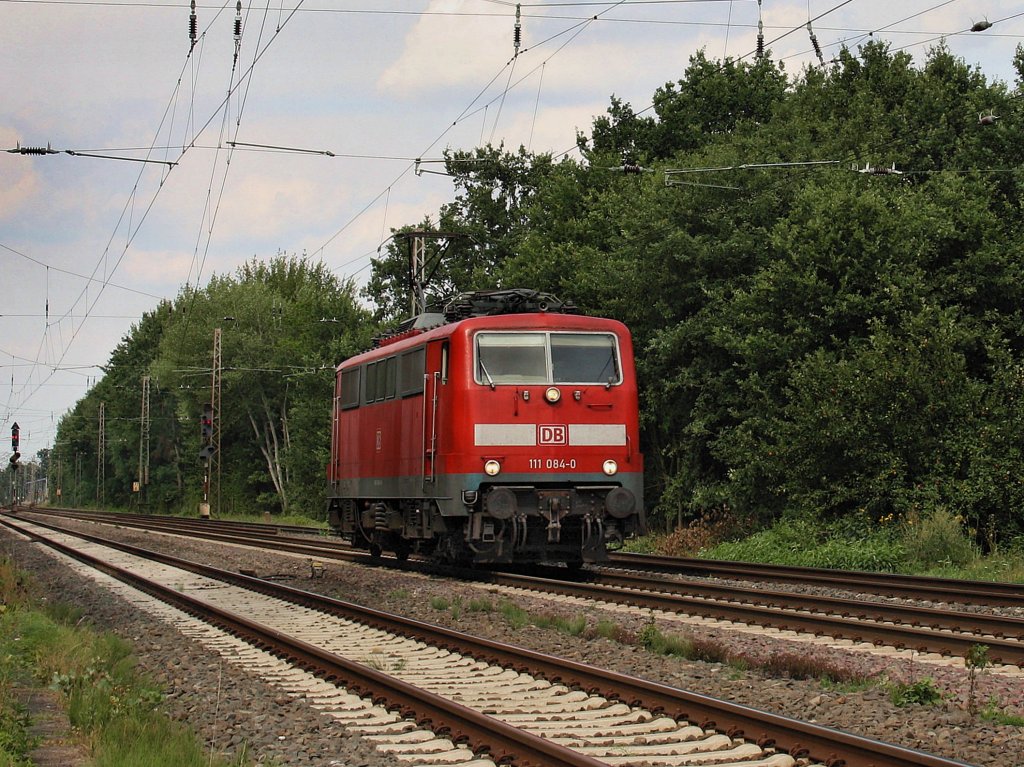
435 375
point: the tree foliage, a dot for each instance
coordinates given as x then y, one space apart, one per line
284 324
842 339
830 339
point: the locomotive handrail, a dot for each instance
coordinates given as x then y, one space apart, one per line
433 426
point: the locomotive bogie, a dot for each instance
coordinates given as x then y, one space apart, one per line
491 439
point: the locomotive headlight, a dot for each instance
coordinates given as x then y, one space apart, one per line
552 394
491 468
610 467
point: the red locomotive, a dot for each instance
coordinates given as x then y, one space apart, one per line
504 430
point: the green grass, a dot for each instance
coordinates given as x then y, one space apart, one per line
938 545
482 605
609 630
859 684
653 640
15 742
993 712
115 710
806 543
515 615
574 626
923 692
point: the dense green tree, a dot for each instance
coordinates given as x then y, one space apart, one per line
475 234
751 291
285 323
826 297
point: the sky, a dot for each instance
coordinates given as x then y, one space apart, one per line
363 88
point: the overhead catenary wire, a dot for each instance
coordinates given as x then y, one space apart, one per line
389 188
468 112
132 232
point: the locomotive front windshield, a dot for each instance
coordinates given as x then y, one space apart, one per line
546 358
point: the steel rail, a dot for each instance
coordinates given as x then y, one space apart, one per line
922 587
135 520
913 615
800 739
921 640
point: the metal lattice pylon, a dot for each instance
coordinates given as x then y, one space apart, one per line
144 436
215 401
101 450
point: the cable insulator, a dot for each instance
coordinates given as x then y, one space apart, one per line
760 32
517 35
814 42
192 26
238 19
26 150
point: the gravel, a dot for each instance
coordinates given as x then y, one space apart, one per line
235 712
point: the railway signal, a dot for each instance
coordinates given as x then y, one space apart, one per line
206 432
15 441
207 423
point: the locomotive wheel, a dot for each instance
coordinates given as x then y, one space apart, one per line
375 550
402 549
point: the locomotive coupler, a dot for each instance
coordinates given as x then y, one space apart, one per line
553 506
593 529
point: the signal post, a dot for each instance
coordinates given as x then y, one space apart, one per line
15 441
205 453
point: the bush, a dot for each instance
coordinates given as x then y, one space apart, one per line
699 535
921 693
807 543
938 540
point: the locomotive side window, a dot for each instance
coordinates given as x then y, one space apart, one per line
511 358
370 387
540 358
350 389
410 372
381 381
390 377
584 358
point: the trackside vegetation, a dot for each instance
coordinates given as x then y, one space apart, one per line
823 272
114 711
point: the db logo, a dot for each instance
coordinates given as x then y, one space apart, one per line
552 435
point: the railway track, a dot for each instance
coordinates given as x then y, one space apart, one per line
511 705
917 587
948 632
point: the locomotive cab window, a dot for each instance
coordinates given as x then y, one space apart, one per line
543 358
511 358
584 358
